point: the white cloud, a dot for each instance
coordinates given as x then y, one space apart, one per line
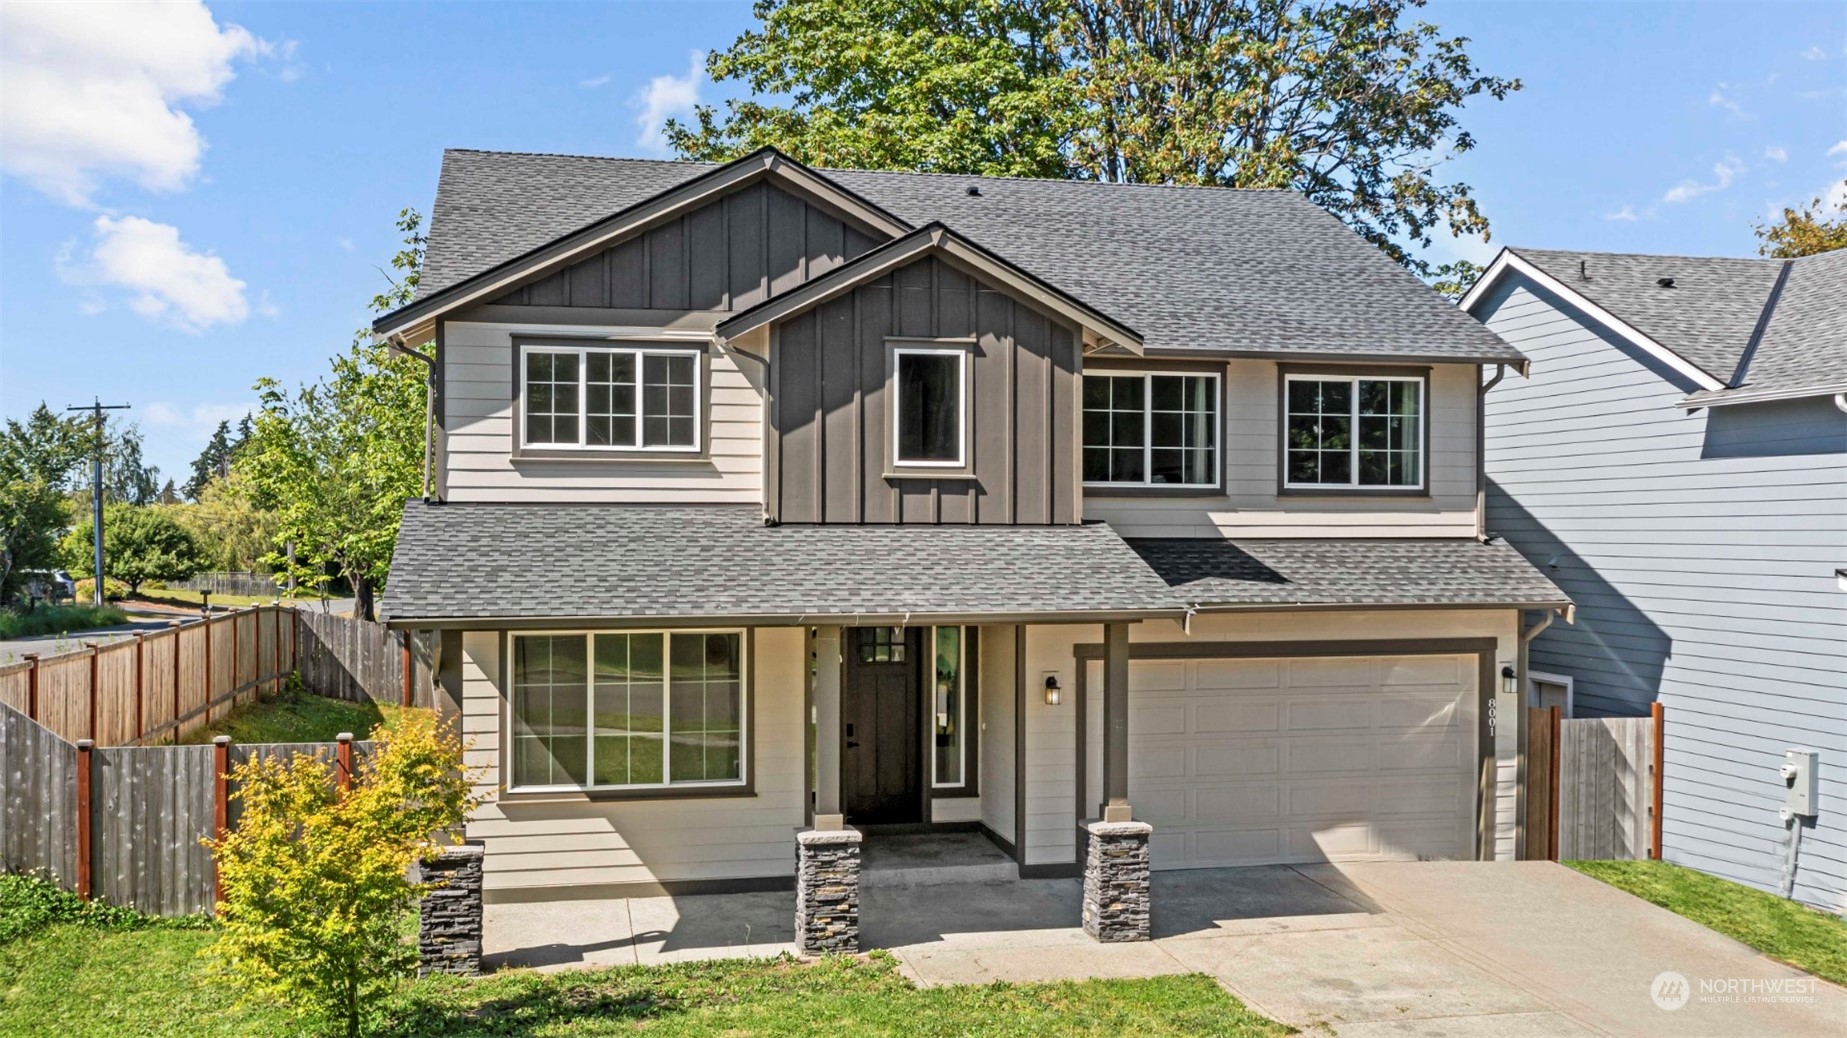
202 418
663 98
1815 54
166 279
1724 173
93 90
595 81
1836 197
1719 100
1838 149
1624 215
1776 153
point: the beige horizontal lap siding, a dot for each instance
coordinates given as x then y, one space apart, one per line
478 410
575 843
1051 734
1250 506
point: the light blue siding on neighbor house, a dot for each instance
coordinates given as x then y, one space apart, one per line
1701 549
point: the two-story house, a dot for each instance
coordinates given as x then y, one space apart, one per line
1678 464
766 496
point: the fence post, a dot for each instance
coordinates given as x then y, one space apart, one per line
1556 784
208 670
407 675
96 658
221 803
1658 714
343 760
175 625
31 685
140 680
84 747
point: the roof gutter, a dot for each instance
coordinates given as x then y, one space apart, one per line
885 619
1288 607
1481 453
1727 397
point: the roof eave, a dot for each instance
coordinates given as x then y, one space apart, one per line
529 623
1728 397
1254 607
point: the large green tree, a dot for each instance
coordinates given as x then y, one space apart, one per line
1806 231
140 544
1352 104
39 459
336 460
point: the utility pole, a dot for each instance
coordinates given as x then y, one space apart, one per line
97 407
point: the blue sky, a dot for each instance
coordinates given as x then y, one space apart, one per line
192 198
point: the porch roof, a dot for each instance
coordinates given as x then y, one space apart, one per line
536 565
1210 573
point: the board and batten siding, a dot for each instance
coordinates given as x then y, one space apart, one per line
1251 507
1051 736
732 253
478 416
831 449
567 842
1700 548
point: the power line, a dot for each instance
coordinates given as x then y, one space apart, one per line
97 407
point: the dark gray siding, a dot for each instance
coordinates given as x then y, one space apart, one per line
827 460
730 254
1701 549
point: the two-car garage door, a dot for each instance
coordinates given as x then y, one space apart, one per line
1253 761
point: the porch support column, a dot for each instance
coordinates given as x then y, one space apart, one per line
827 729
1115 723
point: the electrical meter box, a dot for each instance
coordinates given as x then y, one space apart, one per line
1800 797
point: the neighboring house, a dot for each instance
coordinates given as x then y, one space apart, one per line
1678 464
767 495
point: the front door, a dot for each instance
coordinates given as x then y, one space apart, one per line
881 774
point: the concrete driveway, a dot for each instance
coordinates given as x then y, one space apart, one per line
1451 949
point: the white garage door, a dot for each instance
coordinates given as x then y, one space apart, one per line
1250 761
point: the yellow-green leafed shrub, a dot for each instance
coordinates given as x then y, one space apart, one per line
316 897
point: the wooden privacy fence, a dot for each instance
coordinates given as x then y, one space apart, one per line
124 823
352 659
1593 786
162 686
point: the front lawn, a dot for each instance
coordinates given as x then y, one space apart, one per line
65 973
1784 930
62 619
297 717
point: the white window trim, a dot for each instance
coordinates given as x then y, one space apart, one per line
1534 677
897 405
961 709
641 350
507 782
1353 434
1218 425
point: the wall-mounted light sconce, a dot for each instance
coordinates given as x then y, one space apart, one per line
1051 690
1509 680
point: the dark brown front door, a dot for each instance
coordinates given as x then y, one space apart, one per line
881 773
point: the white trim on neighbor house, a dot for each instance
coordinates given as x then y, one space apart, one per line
1420 439
898 353
1534 677
508 776
1746 395
1508 260
693 349
1148 446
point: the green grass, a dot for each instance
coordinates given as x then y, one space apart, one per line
110 973
177 597
1784 930
297 717
62 619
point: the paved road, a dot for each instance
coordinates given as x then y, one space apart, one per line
51 644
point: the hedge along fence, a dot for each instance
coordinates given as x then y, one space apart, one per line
165 685
124 823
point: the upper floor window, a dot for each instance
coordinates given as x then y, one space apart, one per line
929 421
1353 432
622 397
1151 430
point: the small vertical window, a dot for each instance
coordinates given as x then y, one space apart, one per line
950 709
930 398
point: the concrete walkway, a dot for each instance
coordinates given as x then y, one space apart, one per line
1452 949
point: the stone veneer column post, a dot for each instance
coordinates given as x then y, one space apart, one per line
449 915
1116 886
827 889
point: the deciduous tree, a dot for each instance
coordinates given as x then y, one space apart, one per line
38 458
140 543
1805 231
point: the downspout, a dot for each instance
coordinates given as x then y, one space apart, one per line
725 347
396 343
1481 452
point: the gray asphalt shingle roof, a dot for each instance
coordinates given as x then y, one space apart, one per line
1188 267
1399 572
1710 314
559 561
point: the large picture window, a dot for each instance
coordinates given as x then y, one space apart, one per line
1151 430
929 425
620 710
1359 432
620 398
